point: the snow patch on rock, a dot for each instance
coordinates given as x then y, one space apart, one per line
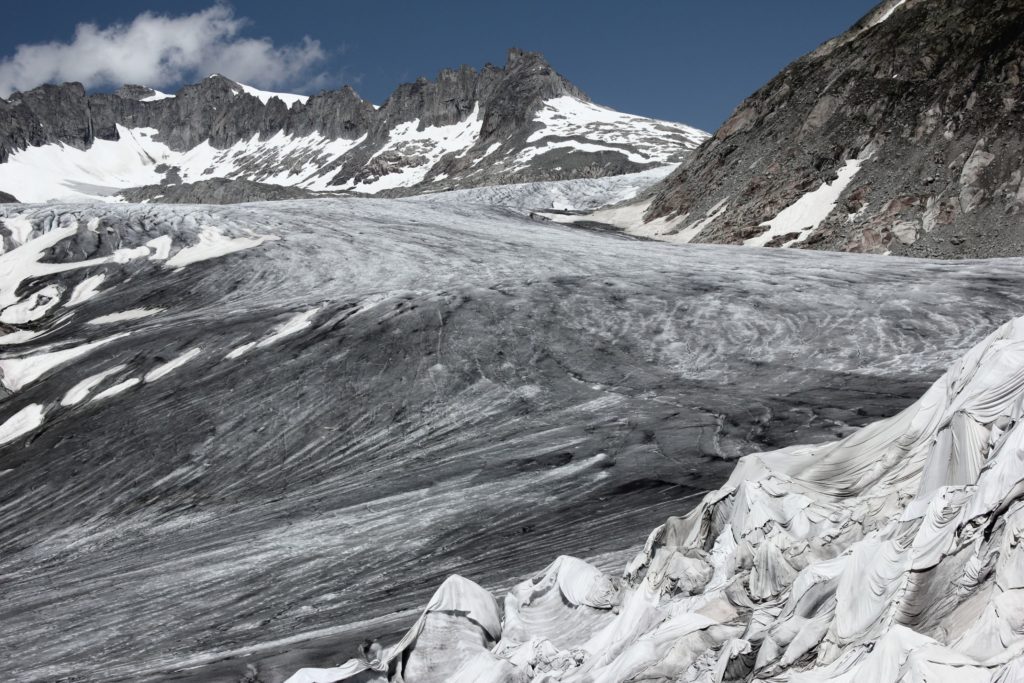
17 373
121 316
265 96
214 244
117 389
80 391
569 117
22 422
807 213
157 95
171 365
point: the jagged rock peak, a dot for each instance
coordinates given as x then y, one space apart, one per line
517 89
533 64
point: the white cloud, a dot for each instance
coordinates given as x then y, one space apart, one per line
160 51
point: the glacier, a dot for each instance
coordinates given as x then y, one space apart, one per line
364 396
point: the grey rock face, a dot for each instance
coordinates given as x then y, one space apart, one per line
49 113
513 99
134 92
336 114
498 106
7 198
930 97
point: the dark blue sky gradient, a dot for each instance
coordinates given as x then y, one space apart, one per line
685 60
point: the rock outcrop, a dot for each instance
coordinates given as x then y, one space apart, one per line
215 191
901 136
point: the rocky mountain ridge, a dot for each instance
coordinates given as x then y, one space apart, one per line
901 136
528 121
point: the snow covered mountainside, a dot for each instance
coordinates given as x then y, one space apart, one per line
892 555
236 441
901 136
520 123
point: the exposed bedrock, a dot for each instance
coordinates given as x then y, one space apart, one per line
214 191
230 435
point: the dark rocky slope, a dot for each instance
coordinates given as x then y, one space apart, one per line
927 93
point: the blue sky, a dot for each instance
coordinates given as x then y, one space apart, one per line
685 60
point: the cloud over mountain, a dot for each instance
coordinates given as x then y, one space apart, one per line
161 50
